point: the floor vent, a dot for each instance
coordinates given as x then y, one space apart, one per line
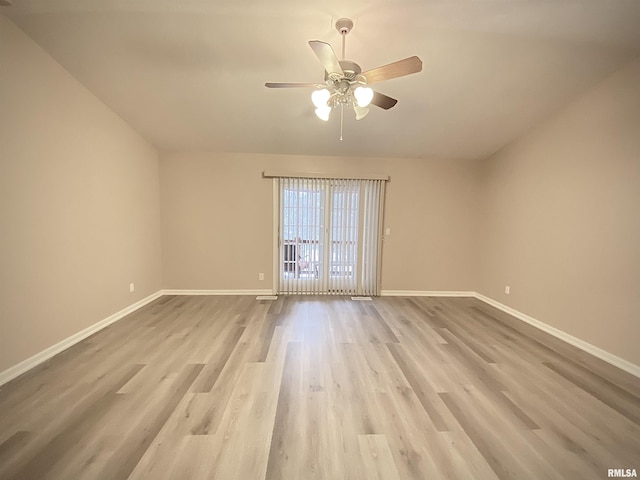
360 298
267 297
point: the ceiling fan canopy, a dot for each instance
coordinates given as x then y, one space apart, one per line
345 84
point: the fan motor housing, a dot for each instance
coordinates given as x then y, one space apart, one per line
350 69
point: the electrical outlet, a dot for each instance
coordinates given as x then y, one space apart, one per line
132 287
261 276
507 289
387 231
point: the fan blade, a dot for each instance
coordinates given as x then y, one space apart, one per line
292 85
327 57
383 101
393 70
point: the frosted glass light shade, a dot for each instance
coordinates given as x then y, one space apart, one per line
361 112
320 97
323 113
363 95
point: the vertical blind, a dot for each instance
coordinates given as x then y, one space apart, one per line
329 234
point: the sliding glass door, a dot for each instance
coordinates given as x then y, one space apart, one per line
302 235
329 236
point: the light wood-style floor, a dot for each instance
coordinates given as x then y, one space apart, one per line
319 388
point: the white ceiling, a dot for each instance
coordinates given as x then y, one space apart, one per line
190 74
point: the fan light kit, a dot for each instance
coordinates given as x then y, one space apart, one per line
345 84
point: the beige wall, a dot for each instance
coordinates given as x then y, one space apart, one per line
217 219
84 207
79 205
561 219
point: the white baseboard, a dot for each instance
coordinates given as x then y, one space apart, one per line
422 293
597 352
37 359
217 292
47 353
614 360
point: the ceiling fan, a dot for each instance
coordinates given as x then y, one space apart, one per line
345 83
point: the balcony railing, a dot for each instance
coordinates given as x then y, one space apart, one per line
303 258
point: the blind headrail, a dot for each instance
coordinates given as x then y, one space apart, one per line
284 174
